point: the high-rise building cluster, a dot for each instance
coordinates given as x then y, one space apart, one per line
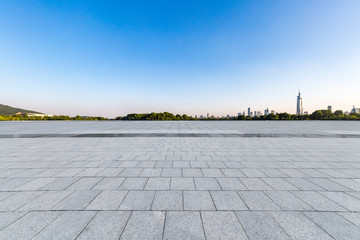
299 111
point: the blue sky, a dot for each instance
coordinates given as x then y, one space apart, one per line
111 58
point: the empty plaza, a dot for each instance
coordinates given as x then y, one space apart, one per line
180 180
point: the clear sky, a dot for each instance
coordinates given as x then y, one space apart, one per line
112 58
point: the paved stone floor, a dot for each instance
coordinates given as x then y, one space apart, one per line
153 187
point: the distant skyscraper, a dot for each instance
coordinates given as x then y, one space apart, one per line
329 108
249 113
266 111
207 115
299 106
355 110
243 113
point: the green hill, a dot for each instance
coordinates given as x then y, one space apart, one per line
7 110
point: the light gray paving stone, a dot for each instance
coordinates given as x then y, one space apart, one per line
178 164
106 225
158 184
47 173
46 201
349 183
171 172
192 172
144 225
328 185
212 172
78 200
137 200
230 184
35 184
343 199
151 172
7 218
198 164
133 184
109 184
298 226
84 184
89 172
353 217
252 172
18 200
163 164
255 184
216 164
198 200
147 164
13 183
70 172
318 201
183 225
168 200
279 184
28 226
5 195
182 184
314 173
206 184
222 225
288 201
335 225
260 225
107 200
232 172
128 164
303 184
227 200
59 184
273 173
130 172
294 173
109 172
67 226
257 200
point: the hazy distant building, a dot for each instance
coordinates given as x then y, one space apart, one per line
207 115
258 113
239 114
346 113
299 106
306 112
243 113
266 111
355 110
249 113
195 116
273 111
329 108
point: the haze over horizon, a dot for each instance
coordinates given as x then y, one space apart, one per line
188 57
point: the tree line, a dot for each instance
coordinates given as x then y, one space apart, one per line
166 116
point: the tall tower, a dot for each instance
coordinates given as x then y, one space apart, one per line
299 107
249 112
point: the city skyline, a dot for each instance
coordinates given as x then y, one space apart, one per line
96 59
